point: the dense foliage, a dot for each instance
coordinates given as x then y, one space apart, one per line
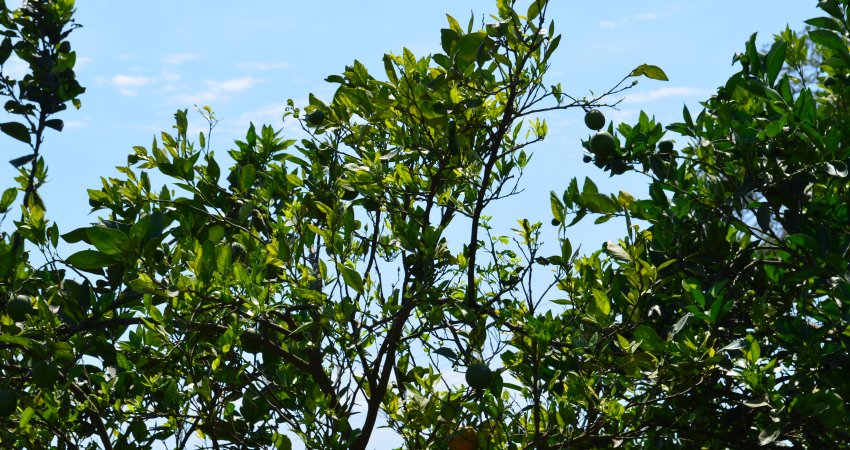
318 288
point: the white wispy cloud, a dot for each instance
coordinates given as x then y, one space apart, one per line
263 66
665 92
269 114
180 58
216 90
130 84
651 15
81 62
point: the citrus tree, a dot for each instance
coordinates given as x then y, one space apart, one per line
735 278
321 287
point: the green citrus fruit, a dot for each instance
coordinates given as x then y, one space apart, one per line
237 251
44 374
603 144
665 146
18 308
587 158
464 439
251 341
594 119
479 376
8 402
315 118
159 255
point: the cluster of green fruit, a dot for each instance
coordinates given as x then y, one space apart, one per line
603 146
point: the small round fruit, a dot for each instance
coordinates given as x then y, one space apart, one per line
315 118
665 146
603 144
237 251
594 119
464 439
44 374
555 222
251 341
18 308
8 402
159 255
479 376
587 158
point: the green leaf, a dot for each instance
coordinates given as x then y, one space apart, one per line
677 327
389 68
89 260
649 71
617 252
16 130
468 45
282 442
106 240
832 41
8 198
598 203
557 207
352 278
145 285
649 339
16 340
56 124
601 303
774 60
78 235
454 25
824 22
18 162
447 352
534 9
763 216
5 50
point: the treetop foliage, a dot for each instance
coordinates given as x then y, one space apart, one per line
311 291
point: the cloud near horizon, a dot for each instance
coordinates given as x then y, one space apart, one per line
216 90
180 58
665 92
651 15
130 84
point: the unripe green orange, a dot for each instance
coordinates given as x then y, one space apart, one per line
479 376
19 308
44 374
594 119
603 144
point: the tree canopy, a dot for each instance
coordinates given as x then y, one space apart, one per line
317 288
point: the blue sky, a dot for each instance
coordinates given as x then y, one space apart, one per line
140 61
